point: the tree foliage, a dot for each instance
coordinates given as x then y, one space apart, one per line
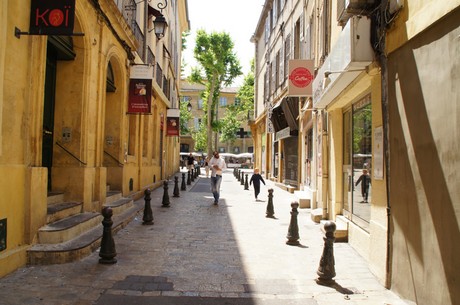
218 67
238 113
185 117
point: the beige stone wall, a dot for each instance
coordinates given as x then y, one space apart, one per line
424 176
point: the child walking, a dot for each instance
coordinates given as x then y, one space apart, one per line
365 180
256 178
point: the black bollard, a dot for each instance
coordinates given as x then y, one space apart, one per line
242 178
148 215
192 174
176 187
107 251
234 172
293 231
246 184
326 269
165 202
189 180
238 175
182 186
270 209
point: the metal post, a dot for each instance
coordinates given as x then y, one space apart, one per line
148 215
107 251
293 231
165 202
246 184
326 269
182 186
270 209
176 187
189 180
192 174
242 178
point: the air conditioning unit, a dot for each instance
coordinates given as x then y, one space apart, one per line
348 8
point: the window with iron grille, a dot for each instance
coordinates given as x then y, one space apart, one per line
159 76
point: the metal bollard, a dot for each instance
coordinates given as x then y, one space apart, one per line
176 187
238 175
192 174
242 178
165 202
326 269
246 184
293 231
107 252
182 186
270 209
189 180
148 215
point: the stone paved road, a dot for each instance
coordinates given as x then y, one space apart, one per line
197 253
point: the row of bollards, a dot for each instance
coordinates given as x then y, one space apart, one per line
107 251
326 269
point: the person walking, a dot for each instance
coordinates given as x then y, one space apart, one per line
256 178
365 180
190 162
217 164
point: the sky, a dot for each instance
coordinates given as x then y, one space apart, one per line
238 18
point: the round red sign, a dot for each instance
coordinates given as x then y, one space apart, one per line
301 77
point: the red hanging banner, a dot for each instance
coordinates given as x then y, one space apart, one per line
140 90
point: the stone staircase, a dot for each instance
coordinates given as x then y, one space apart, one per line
71 234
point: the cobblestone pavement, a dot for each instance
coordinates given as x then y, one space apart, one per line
198 253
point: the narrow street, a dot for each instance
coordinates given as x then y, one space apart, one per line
198 253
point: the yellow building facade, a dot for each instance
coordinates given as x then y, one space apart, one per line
191 93
64 113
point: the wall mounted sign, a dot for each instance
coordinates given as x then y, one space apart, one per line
301 75
140 89
172 122
51 17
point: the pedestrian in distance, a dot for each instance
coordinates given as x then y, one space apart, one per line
190 162
256 178
217 165
365 181
206 167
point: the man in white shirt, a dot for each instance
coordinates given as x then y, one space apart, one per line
216 164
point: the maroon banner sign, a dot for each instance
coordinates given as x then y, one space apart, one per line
172 126
140 93
51 17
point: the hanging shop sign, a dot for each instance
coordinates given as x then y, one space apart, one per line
51 17
140 89
301 75
172 122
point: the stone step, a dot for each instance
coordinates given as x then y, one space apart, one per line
112 196
68 228
55 197
61 210
120 205
83 244
341 232
304 199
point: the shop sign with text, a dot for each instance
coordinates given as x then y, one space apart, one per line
51 17
301 75
140 89
172 122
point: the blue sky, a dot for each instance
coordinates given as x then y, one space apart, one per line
237 17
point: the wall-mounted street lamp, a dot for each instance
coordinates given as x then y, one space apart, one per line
189 107
159 24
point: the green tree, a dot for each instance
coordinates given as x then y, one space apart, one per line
218 67
236 114
185 117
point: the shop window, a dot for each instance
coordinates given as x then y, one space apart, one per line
358 161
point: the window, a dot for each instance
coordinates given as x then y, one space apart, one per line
200 104
357 160
196 123
237 101
184 99
222 101
287 54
